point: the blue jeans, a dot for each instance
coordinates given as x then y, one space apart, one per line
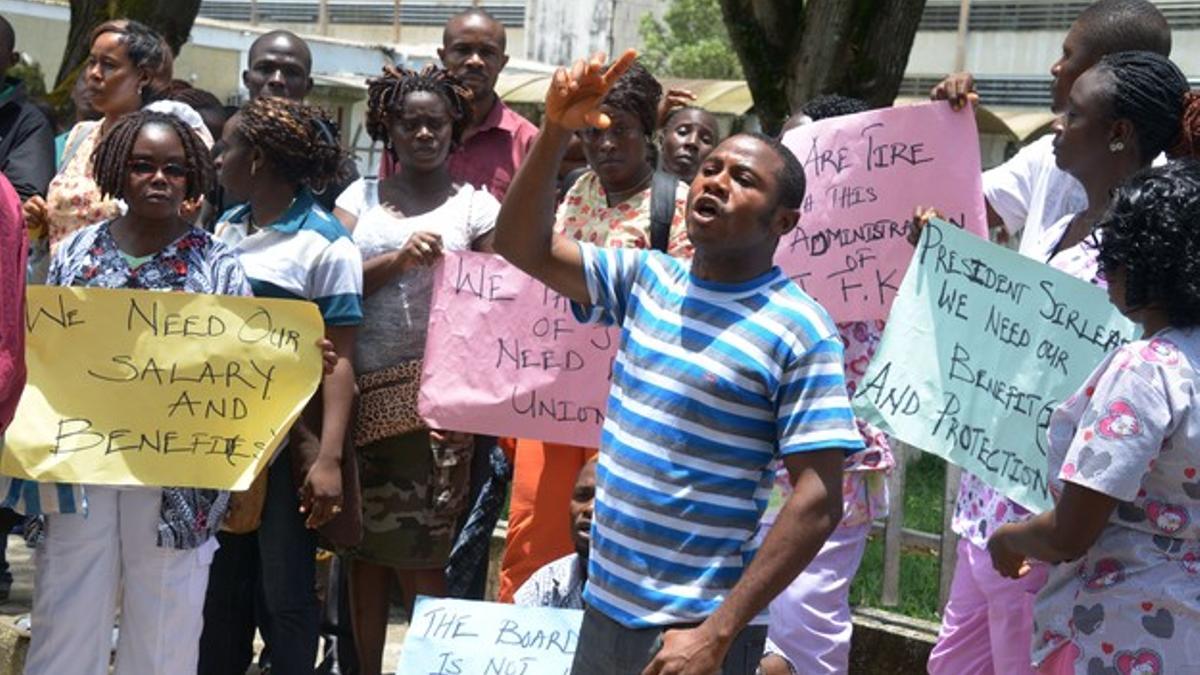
284 605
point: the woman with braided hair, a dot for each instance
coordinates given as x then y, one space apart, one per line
154 543
1119 116
414 481
277 151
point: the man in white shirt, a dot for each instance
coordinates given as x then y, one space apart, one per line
1029 191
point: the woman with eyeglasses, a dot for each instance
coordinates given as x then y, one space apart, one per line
146 548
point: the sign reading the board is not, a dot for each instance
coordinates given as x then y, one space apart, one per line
465 637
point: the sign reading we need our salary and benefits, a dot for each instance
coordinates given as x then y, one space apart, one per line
131 387
981 347
866 174
466 637
506 357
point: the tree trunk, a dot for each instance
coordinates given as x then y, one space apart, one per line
792 51
172 18
762 33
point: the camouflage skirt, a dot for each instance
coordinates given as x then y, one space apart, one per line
413 492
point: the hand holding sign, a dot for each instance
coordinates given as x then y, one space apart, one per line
1003 339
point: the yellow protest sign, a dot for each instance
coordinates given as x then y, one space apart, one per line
150 388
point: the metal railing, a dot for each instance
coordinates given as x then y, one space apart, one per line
897 538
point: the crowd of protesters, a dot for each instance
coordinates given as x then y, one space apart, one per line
668 231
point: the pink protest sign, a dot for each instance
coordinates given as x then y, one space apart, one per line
866 174
505 356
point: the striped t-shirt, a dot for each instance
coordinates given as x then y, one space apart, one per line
711 384
304 255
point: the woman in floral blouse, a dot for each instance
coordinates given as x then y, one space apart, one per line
154 543
126 67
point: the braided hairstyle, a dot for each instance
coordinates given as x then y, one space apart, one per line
297 140
110 160
386 94
1150 233
148 52
637 92
1148 90
833 105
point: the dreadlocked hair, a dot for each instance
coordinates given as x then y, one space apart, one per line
110 160
386 94
1150 233
1148 90
297 140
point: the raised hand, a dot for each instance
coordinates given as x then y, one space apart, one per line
573 100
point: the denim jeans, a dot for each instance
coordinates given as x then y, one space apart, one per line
284 605
608 648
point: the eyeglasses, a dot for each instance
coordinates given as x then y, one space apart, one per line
141 167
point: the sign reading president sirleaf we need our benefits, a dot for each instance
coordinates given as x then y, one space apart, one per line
982 345
164 389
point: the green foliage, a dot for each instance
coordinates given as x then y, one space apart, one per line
924 482
31 75
691 42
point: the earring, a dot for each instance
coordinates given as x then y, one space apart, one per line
1116 146
253 168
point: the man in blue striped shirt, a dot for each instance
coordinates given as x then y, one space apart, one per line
724 367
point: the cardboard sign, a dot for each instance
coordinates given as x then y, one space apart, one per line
505 356
465 637
164 389
866 174
981 347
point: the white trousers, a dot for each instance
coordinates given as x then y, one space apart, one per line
81 567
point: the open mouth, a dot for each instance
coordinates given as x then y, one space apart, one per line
706 206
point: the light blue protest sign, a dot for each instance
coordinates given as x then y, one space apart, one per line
981 346
466 637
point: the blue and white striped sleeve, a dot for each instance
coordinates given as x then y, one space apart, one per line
812 408
337 283
609 273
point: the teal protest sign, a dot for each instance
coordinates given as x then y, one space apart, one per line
981 346
465 637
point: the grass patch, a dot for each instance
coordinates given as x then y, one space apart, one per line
925 481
